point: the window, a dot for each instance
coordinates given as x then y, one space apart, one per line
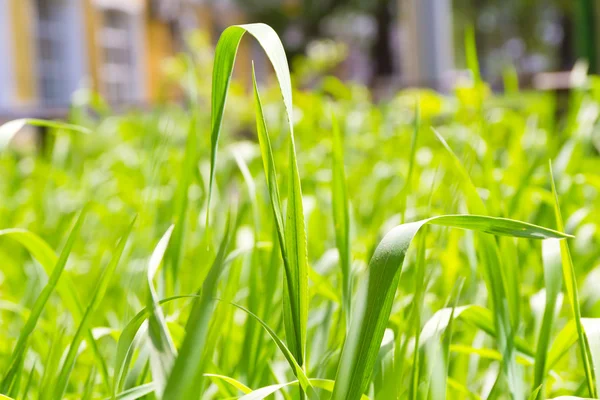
52 68
118 56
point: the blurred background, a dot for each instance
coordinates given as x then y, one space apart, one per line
123 49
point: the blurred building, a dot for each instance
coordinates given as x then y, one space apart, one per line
50 48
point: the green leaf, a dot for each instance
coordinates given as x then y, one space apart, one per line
22 342
10 129
135 392
573 295
376 294
294 236
43 253
341 217
163 353
101 288
186 375
553 285
233 382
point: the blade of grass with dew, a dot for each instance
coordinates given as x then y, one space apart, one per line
553 285
21 346
162 350
376 294
186 375
43 253
572 293
101 288
341 217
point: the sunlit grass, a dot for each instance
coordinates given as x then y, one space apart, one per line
345 250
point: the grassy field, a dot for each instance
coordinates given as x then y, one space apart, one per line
304 244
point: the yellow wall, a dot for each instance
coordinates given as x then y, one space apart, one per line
24 55
92 22
159 45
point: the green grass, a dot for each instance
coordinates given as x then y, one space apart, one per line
408 249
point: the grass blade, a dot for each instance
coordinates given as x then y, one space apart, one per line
101 288
163 353
21 346
376 294
186 374
341 217
553 285
573 294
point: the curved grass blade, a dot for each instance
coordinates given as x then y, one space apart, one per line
296 281
185 379
176 249
553 285
101 288
163 353
502 281
10 129
233 382
21 346
135 392
43 253
296 368
266 391
124 345
376 294
572 292
477 316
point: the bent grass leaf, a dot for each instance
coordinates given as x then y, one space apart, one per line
10 129
375 297
341 217
185 379
553 285
296 278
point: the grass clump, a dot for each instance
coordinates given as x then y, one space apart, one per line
236 281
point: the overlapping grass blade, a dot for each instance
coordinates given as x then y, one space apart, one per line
553 285
304 381
10 129
135 392
101 288
501 280
573 294
18 353
43 253
185 379
163 353
376 294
